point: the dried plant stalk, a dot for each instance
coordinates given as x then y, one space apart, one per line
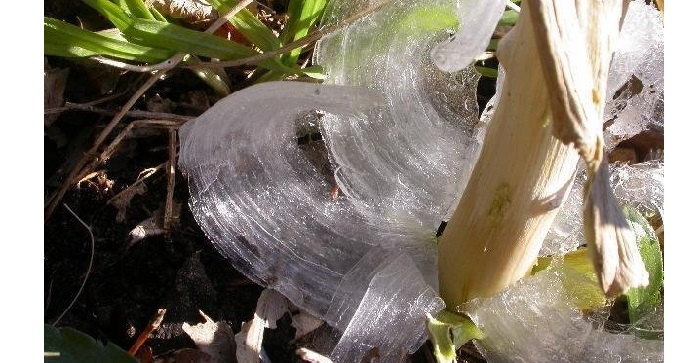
556 60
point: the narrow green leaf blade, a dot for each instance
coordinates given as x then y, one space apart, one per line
67 40
249 25
303 14
136 9
644 300
449 331
158 34
214 77
254 30
510 17
73 346
111 11
181 39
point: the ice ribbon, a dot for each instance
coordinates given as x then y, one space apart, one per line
399 149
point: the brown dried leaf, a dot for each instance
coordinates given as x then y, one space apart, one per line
54 85
612 244
305 323
151 226
576 40
271 307
216 339
122 200
308 355
191 10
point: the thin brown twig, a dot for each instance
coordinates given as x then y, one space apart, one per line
170 189
142 178
88 162
316 35
69 106
111 148
87 274
153 324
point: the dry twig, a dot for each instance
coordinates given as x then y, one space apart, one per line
168 215
69 106
316 35
88 161
87 274
152 326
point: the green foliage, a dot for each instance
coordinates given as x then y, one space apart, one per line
303 14
449 331
645 300
148 37
135 9
67 40
579 278
251 27
510 17
67 345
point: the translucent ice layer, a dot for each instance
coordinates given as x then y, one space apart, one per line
344 226
475 29
534 321
420 148
639 185
635 99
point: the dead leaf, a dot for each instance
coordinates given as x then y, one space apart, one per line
54 85
305 323
147 228
122 200
271 307
213 338
160 104
191 10
308 355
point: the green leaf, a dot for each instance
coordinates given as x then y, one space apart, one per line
510 17
249 25
111 11
303 14
177 38
181 39
449 331
315 71
579 278
136 9
214 77
157 15
72 346
643 301
254 30
486 71
67 40
428 18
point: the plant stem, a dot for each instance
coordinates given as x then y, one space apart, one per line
557 60
516 188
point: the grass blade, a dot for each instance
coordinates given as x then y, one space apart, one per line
644 300
111 11
136 9
67 40
302 16
250 26
158 34
214 77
